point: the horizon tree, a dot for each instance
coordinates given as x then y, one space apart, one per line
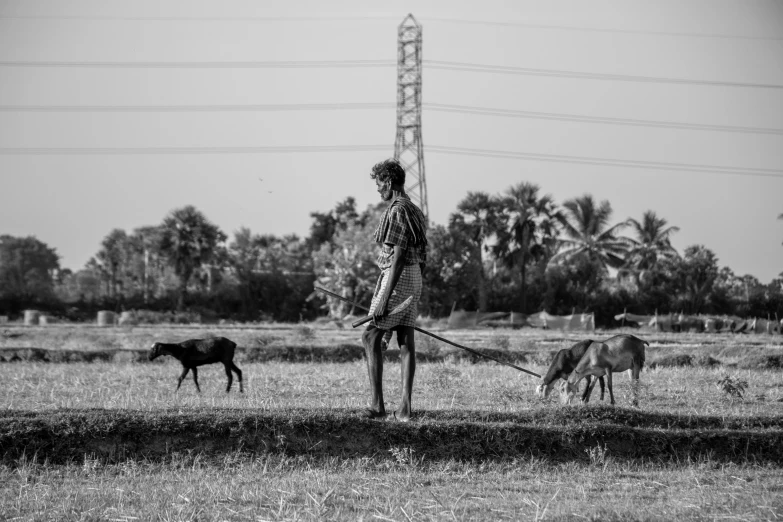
651 245
27 268
528 224
695 276
589 234
113 257
145 242
188 240
477 217
347 263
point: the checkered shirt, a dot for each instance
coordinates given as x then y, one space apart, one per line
398 233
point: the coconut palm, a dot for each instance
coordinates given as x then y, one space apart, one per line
113 257
189 241
476 216
530 223
652 245
145 241
588 234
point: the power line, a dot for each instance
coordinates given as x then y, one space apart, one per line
501 69
585 160
771 173
198 108
438 107
598 119
293 19
200 18
133 151
329 64
599 29
304 64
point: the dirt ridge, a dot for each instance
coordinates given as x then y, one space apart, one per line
115 435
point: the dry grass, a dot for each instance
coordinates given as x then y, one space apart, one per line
395 488
398 484
440 386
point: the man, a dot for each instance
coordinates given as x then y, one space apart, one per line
402 233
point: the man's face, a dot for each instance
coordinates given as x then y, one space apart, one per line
384 189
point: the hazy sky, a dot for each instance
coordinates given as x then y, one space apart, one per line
71 201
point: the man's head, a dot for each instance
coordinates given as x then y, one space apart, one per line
388 175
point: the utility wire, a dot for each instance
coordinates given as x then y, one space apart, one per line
438 107
772 173
201 18
598 119
332 64
82 151
598 29
293 19
133 151
501 69
304 64
199 108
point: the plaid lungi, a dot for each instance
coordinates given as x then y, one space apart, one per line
409 284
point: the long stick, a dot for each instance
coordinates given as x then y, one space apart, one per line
425 332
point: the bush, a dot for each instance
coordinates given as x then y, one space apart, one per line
732 387
675 360
761 362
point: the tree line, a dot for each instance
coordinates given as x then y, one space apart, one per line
516 251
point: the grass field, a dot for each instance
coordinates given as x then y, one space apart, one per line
110 440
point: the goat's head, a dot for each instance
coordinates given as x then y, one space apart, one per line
154 351
542 390
568 392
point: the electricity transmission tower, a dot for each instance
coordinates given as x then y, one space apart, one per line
408 147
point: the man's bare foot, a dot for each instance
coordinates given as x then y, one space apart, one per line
402 417
369 413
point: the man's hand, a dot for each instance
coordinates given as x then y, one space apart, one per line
380 308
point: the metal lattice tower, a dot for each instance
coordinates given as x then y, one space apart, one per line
408 147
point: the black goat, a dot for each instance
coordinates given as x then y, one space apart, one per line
564 363
198 352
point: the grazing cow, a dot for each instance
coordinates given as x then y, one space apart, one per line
616 354
198 352
563 364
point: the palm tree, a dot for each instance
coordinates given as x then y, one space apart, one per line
530 223
145 241
188 240
477 216
589 235
652 245
114 256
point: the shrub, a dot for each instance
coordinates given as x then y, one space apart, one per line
761 362
672 360
732 387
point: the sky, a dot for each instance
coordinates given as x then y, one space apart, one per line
729 52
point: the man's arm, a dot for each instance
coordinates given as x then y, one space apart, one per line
395 271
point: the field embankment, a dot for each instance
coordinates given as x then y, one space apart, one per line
560 434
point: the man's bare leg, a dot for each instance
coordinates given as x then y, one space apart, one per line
408 370
371 338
